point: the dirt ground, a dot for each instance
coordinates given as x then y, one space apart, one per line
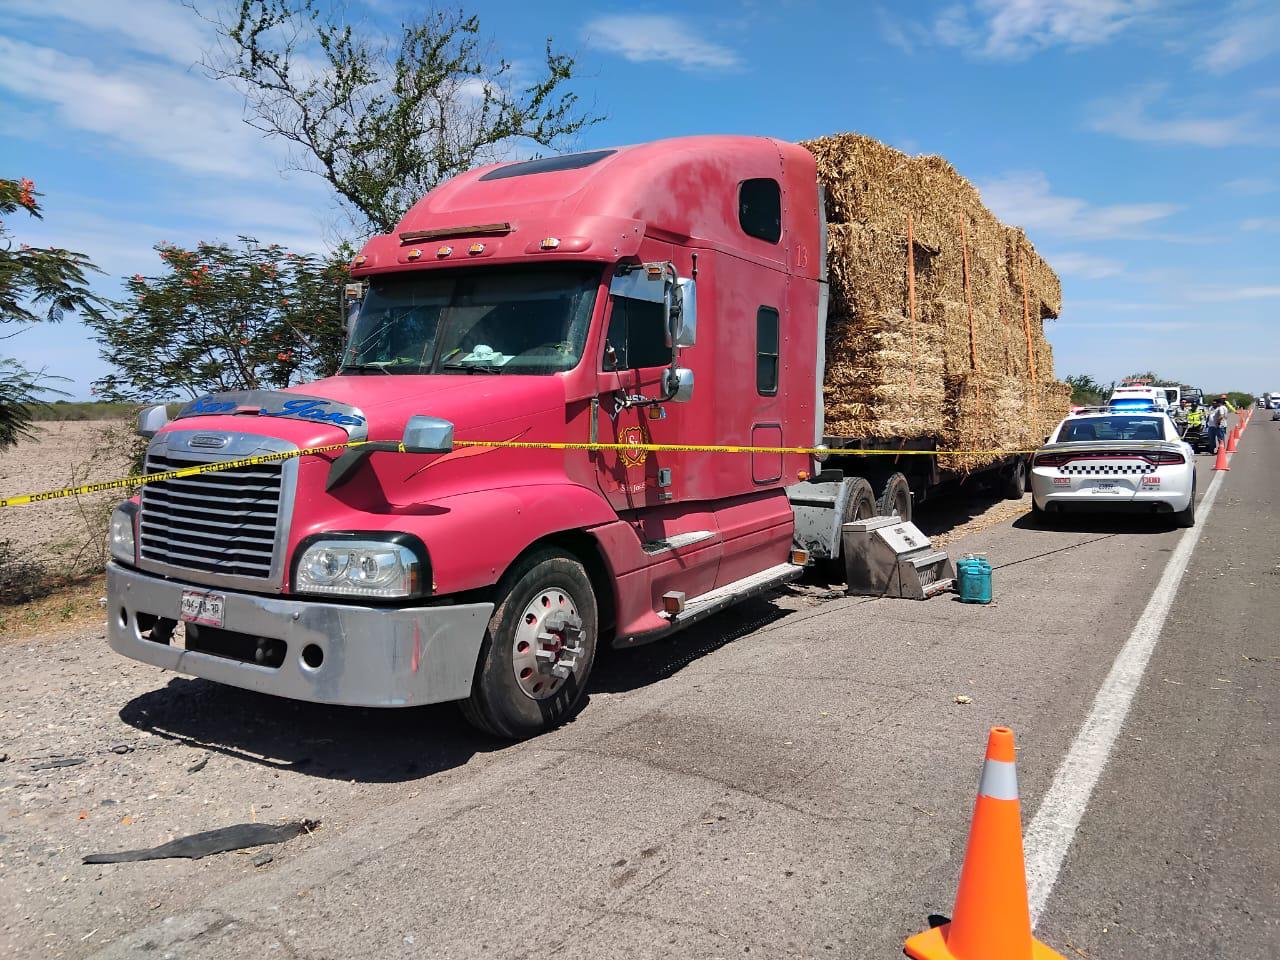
66 453
98 753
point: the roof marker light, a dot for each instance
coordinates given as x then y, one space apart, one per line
475 248
361 259
413 254
550 243
445 251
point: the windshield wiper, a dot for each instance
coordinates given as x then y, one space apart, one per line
473 367
379 365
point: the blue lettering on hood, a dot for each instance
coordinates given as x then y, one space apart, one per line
314 410
206 406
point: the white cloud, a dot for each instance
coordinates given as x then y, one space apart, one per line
657 38
1251 186
1129 116
158 27
150 109
1016 29
1027 199
1269 224
1253 34
1087 266
1231 294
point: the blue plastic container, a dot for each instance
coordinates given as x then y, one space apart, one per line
973 578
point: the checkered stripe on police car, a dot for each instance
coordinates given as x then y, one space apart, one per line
1096 468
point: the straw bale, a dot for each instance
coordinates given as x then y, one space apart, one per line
959 372
884 378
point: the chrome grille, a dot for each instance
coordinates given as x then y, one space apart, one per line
221 523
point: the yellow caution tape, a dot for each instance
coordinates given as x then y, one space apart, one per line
127 483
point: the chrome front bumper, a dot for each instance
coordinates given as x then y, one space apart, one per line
372 657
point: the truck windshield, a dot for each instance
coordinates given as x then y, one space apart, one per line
523 320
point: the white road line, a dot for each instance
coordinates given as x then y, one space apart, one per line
1049 836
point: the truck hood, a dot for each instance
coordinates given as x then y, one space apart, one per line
468 401
373 407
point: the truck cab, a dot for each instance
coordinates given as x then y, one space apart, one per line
443 536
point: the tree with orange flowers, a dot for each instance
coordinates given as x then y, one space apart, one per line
36 283
219 317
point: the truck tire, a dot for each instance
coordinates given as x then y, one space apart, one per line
538 649
1013 481
861 506
895 497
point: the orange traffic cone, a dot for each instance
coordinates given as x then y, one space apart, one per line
991 919
1221 462
1233 438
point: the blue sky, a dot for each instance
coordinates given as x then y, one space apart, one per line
1138 142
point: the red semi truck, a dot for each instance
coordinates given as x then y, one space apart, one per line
667 293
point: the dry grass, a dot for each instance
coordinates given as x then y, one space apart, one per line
955 365
74 605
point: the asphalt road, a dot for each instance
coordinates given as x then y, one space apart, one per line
793 778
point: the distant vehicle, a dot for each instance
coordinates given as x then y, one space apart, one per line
1172 394
1115 461
1272 399
1275 414
1194 394
1139 397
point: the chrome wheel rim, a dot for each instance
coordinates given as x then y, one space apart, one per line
547 648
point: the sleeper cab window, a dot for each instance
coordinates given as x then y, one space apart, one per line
760 209
767 351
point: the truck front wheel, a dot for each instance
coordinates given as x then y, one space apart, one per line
538 649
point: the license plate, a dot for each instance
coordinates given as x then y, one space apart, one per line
201 607
1106 486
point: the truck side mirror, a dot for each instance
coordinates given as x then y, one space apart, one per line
151 420
680 385
427 435
687 290
353 297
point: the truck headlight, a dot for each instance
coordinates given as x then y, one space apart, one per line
121 540
359 568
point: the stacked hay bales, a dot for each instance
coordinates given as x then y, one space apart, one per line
964 361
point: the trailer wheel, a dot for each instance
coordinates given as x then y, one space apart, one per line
538 649
895 498
1014 480
861 506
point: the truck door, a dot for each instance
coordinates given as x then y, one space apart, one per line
648 488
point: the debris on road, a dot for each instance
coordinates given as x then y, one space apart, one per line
55 764
962 698
262 859
122 749
199 764
210 842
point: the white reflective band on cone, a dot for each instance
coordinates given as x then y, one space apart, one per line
999 780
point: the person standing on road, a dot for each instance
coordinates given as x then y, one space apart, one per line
1218 424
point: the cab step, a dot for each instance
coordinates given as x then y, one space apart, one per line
713 601
704 605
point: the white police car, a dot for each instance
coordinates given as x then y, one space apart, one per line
1112 460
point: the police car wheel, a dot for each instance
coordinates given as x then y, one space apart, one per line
538 651
1187 517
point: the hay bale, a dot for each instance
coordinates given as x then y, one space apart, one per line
961 371
884 378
